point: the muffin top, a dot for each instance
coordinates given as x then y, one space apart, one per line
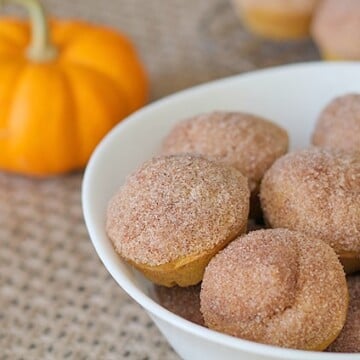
336 27
338 125
277 287
175 206
249 143
316 191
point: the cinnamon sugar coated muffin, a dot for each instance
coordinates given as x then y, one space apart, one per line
277 19
349 338
174 214
317 191
336 29
338 125
276 287
182 301
248 142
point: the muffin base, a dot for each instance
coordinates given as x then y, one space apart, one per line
185 271
326 344
275 25
332 56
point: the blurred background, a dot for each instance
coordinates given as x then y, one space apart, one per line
184 44
56 299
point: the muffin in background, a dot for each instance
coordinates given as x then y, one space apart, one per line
277 19
338 126
336 29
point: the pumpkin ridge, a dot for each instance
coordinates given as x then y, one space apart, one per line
107 123
103 75
84 30
75 112
11 93
73 108
62 36
13 48
14 40
75 115
39 144
123 67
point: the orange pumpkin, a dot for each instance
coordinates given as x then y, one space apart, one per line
62 88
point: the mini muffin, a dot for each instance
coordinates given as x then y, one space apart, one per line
174 214
317 191
336 29
249 143
276 287
338 126
182 301
277 19
349 338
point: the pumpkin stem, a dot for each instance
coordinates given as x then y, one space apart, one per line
40 49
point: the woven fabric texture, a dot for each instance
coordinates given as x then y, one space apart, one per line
57 301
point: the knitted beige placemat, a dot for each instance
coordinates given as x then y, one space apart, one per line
56 298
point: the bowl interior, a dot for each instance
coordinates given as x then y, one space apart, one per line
291 96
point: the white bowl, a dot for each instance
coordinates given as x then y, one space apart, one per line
291 96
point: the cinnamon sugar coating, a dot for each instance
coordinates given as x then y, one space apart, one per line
349 338
182 301
176 206
338 125
316 191
276 287
248 142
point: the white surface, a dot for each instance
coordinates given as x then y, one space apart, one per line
291 96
